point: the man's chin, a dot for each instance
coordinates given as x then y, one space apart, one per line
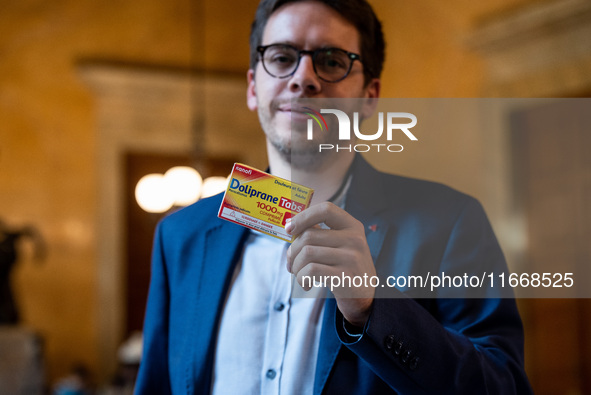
307 158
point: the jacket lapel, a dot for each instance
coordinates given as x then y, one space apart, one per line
223 245
328 348
366 201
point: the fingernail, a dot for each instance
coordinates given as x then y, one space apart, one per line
288 225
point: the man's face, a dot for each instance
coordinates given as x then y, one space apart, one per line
305 25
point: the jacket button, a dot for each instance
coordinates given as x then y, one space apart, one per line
279 306
271 374
414 363
405 356
389 342
398 347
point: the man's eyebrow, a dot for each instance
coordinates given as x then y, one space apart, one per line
292 44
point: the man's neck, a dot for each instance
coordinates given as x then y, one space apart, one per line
325 178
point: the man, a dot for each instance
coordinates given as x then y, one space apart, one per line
221 318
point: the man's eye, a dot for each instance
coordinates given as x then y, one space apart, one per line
282 59
332 62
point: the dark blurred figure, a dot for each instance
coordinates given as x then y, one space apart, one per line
8 257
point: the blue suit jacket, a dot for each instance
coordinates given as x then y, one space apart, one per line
455 346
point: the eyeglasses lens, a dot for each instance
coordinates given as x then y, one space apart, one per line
330 64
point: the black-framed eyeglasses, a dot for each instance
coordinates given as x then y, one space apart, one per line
330 64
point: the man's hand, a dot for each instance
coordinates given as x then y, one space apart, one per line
341 249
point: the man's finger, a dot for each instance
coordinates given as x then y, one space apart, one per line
314 236
327 213
317 254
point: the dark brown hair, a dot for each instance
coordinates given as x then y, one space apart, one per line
357 12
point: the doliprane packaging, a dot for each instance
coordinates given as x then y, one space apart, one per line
261 201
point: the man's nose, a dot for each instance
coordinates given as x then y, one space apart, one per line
305 78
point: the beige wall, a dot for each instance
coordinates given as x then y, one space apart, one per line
48 143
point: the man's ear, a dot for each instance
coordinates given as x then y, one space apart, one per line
251 95
372 94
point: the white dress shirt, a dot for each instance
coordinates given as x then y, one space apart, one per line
267 341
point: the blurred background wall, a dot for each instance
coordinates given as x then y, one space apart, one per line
72 72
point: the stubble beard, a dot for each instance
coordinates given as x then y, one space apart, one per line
293 146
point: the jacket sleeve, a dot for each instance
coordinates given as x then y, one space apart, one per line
153 376
448 346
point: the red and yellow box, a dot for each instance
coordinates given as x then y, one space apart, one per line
262 202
